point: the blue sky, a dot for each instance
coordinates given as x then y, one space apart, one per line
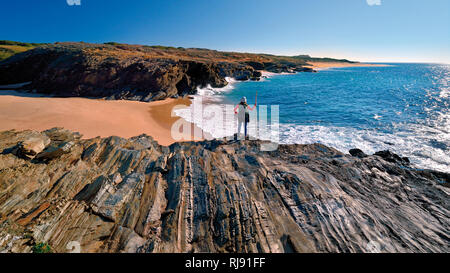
395 30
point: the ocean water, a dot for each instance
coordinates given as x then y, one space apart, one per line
400 107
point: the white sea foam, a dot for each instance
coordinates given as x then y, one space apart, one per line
267 74
218 119
210 91
427 146
208 98
416 142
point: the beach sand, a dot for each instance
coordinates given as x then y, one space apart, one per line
321 65
90 117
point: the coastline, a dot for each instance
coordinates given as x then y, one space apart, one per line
323 65
103 118
207 94
90 117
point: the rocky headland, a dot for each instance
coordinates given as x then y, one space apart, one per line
133 195
134 72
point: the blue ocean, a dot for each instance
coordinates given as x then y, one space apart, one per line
400 107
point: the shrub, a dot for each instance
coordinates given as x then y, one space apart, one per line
112 43
42 248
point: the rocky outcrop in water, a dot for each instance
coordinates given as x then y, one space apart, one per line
133 195
131 72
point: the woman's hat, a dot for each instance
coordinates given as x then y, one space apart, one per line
244 99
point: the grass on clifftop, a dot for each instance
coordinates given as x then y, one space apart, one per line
203 54
9 48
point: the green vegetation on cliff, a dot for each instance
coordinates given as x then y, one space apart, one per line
9 48
42 248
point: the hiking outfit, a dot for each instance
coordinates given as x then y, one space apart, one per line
243 117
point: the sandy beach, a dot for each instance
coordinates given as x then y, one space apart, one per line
321 65
90 117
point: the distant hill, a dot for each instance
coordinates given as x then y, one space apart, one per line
307 58
10 48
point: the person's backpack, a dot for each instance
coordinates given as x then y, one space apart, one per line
247 114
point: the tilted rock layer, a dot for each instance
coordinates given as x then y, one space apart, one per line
119 195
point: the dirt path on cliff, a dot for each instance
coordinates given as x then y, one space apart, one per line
90 117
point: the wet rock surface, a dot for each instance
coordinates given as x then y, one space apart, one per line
358 153
133 195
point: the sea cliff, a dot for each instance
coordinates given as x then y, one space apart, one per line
134 72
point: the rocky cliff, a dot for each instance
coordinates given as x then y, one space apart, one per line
133 195
118 71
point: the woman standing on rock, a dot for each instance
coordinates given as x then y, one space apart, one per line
243 114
